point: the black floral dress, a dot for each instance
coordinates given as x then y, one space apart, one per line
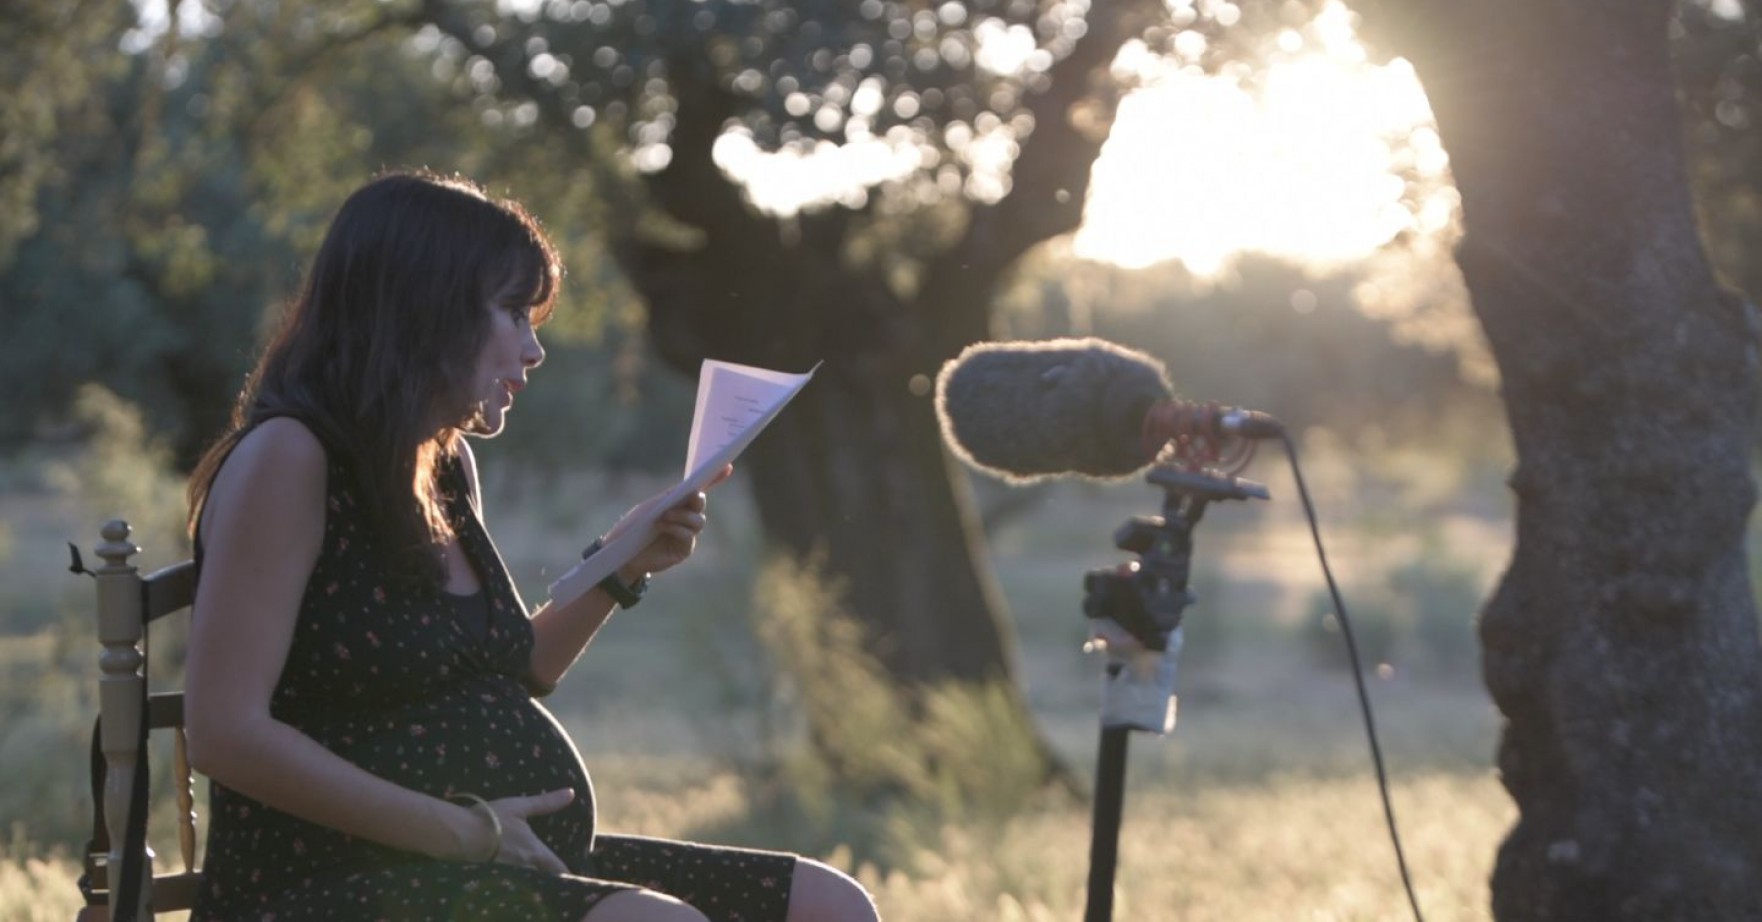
426 690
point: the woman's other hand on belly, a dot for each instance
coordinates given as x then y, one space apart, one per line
510 839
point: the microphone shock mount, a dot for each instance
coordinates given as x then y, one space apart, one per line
1203 436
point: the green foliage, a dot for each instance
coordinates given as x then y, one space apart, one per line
123 471
48 698
52 53
150 269
162 217
1718 52
110 465
949 752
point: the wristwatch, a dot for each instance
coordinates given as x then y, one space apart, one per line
625 594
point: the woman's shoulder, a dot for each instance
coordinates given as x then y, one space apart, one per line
273 480
280 454
283 441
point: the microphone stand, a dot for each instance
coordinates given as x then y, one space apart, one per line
1134 613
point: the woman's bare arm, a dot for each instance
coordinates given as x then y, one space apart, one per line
561 633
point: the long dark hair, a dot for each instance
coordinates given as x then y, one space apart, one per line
382 342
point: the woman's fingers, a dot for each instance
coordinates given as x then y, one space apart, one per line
676 531
685 521
547 860
520 845
683 531
684 518
523 848
539 804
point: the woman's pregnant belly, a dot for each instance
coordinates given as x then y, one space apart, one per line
490 739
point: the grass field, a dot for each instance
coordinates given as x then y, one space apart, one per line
1260 805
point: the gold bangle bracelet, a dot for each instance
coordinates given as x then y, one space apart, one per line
495 823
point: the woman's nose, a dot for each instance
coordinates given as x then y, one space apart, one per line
532 353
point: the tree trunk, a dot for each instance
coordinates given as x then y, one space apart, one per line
857 470
1621 645
855 467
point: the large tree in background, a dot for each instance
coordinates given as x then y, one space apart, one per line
882 284
1621 645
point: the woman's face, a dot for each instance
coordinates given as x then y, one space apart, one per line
509 351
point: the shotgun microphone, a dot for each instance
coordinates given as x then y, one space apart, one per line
1025 411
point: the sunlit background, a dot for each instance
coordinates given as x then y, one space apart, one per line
1312 162
1305 165
1321 159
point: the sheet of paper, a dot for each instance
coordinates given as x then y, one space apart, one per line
734 404
732 401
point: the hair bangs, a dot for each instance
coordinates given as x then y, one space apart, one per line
542 278
534 274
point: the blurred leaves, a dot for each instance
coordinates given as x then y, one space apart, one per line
165 185
123 471
52 54
1718 49
952 750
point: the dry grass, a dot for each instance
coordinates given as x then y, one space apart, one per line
1296 848
38 888
1292 848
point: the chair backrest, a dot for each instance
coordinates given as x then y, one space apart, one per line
127 603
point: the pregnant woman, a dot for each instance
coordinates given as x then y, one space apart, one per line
361 670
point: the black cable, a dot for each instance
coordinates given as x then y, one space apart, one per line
1370 726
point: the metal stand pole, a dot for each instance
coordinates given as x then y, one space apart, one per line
1135 616
1104 844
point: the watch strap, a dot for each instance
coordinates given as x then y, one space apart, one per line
626 595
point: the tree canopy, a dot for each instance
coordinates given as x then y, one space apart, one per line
146 167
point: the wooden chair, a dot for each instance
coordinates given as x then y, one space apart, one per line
119 883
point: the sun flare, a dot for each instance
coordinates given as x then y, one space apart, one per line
1308 166
1321 161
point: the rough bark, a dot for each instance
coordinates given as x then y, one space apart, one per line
1621 644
